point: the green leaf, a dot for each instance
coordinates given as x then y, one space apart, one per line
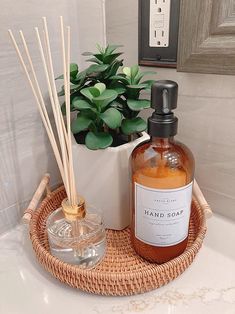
137 105
87 53
113 68
73 72
98 140
88 113
111 48
80 123
112 117
118 87
81 104
142 74
130 126
97 68
101 50
110 58
79 79
149 83
134 71
94 60
137 86
105 98
73 69
74 86
73 80
59 77
120 78
127 71
90 92
115 104
101 87
81 75
63 109
61 92
99 56
95 92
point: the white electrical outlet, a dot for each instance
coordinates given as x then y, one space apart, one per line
159 23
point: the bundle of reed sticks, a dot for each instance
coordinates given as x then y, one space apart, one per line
62 148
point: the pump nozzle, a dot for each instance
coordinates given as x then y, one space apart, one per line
164 96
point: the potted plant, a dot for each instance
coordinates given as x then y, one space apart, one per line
106 129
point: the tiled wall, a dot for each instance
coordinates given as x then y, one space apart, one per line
206 111
25 153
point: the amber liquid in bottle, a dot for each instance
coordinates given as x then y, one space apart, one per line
161 164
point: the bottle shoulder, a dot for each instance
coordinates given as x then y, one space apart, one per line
172 154
147 146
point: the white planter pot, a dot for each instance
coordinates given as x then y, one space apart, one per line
102 177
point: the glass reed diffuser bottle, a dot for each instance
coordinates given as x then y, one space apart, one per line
76 234
162 177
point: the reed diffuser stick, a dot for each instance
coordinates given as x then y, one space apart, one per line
55 112
44 120
51 76
67 96
63 151
43 106
56 104
36 82
66 71
68 114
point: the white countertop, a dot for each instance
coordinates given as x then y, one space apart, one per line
208 286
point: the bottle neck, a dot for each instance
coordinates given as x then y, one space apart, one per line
162 141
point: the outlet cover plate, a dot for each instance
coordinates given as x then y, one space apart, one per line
159 23
158 32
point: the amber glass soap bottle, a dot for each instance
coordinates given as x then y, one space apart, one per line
162 171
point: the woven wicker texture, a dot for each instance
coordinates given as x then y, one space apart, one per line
121 272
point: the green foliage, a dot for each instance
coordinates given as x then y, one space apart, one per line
94 114
138 104
106 99
130 126
98 140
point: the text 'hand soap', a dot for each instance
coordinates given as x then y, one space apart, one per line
162 178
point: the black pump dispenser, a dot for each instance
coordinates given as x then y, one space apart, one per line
164 96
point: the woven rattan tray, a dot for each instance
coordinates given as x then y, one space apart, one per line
121 272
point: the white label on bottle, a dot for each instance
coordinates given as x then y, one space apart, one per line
162 216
